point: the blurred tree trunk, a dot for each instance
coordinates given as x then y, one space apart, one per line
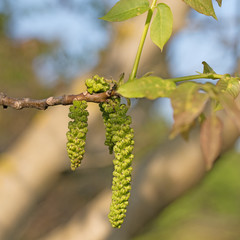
32 166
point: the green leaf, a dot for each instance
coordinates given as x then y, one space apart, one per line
203 6
188 103
229 84
125 9
150 87
207 68
211 139
219 2
161 27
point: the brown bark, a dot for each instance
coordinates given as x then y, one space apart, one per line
43 104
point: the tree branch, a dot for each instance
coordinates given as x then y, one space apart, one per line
43 104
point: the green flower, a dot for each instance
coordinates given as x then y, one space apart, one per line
119 138
109 119
76 135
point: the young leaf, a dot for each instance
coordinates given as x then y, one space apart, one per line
211 139
207 68
203 6
161 27
229 105
188 103
125 9
150 87
219 2
229 84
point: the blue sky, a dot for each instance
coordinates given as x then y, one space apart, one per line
205 39
73 24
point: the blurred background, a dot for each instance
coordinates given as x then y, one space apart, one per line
50 47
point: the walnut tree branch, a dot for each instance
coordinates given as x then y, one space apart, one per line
43 104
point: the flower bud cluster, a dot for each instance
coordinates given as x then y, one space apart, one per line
77 132
119 138
97 84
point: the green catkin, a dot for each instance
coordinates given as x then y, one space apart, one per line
119 138
108 108
76 135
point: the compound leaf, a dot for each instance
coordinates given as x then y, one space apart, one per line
203 6
161 27
150 87
211 139
125 9
188 103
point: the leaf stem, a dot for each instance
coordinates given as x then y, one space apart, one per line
198 76
140 47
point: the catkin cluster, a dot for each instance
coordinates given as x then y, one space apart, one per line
76 135
119 138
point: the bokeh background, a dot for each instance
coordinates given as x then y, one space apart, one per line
49 47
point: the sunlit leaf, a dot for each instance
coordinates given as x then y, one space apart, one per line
150 87
229 84
161 27
203 6
207 68
125 9
230 88
211 139
188 103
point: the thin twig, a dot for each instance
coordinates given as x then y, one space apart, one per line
43 104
